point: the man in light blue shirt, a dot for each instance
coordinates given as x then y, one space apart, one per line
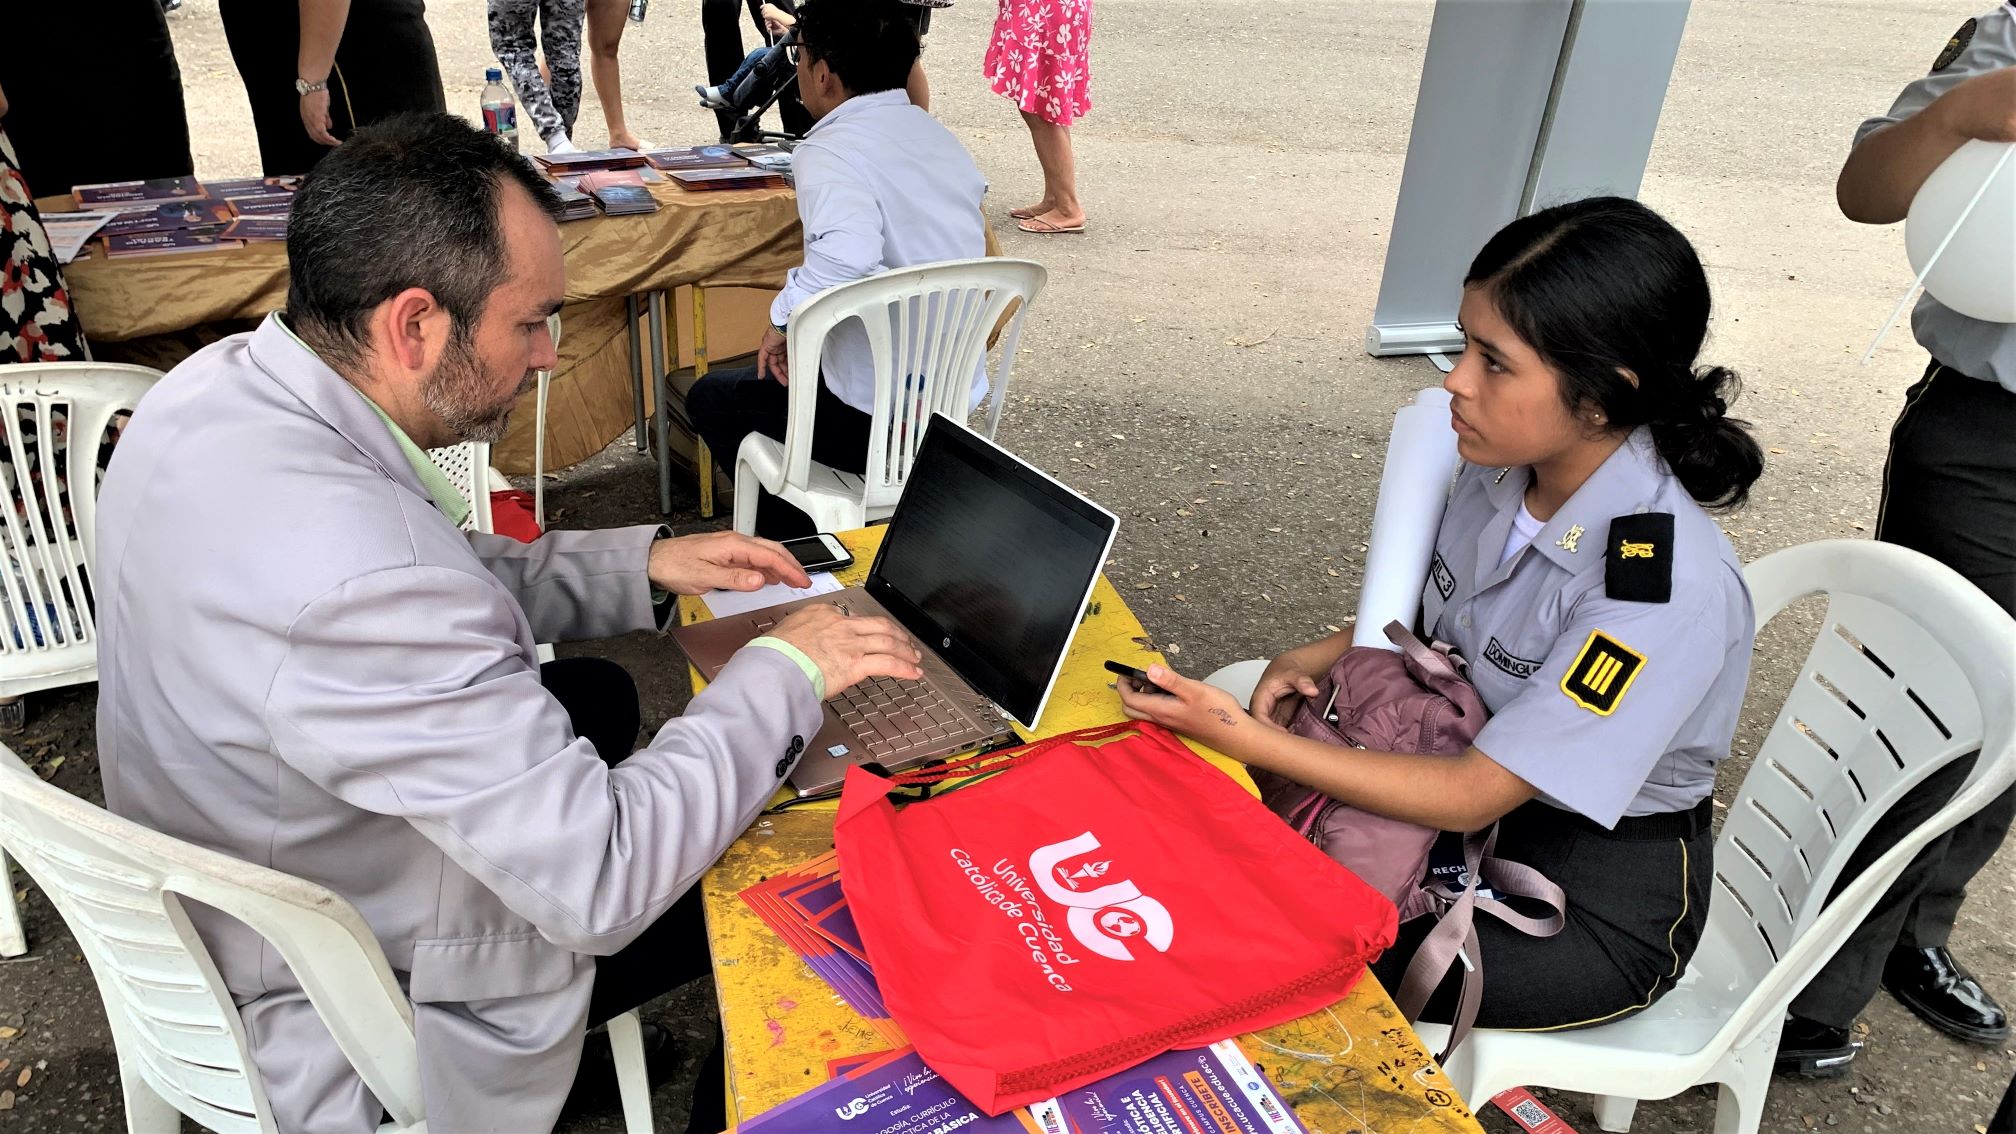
881 184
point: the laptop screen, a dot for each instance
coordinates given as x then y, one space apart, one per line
990 562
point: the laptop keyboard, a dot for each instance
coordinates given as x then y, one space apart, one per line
893 719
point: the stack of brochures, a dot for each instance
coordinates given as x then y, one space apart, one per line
695 157
587 160
806 907
574 204
747 177
176 214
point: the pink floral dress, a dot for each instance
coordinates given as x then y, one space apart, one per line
1040 57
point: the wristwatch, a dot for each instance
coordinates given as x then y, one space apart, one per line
304 88
781 328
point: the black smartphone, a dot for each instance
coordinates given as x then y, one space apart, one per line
1139 677
820 552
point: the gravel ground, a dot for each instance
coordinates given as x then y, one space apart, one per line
1240 171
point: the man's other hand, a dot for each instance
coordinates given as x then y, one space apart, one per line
729 561
315 117
773 360
849 650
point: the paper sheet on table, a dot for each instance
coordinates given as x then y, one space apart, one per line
725 603
70 232
1421 462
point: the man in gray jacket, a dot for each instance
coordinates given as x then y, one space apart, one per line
306 664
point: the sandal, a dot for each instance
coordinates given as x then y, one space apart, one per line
1041 227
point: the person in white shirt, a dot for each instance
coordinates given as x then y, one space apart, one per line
881 185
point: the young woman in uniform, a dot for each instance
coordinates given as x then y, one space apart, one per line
1601 609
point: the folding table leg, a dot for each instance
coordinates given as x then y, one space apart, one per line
703 458
636 373
663 387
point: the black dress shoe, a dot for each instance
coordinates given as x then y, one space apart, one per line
1810 1050
1945 995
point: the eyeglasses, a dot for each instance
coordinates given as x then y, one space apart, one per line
791 54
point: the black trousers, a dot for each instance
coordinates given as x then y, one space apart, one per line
601 700
1637 903
721 32
1949 490
729 405
385 65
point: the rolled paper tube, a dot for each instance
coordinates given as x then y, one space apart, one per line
1421 462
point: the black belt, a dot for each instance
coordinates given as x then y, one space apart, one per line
1637 828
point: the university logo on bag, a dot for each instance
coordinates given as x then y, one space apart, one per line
1103 916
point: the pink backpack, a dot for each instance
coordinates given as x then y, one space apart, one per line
1415 701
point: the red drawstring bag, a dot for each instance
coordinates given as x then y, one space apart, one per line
1109 897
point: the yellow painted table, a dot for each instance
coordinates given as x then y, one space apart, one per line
1353 1068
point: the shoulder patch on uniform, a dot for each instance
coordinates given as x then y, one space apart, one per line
1443 577
1956 45
1522 668
1602 673
1638 563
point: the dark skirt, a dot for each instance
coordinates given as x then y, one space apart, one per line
1637 904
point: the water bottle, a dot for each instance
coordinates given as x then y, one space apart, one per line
637 10
500 113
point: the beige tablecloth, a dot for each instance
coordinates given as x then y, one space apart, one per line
156 310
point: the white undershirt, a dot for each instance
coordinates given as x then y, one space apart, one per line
1524 529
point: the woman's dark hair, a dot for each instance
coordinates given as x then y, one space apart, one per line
1605 286
870 44
409 202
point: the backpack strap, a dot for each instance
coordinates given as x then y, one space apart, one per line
1454 937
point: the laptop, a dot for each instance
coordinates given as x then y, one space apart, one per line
988 563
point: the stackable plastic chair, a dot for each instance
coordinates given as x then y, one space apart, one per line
48 631
48 636
181 1043
928 328
1913 669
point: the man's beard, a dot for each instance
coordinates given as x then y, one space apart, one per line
455 391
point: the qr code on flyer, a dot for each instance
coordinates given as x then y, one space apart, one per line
1530 1114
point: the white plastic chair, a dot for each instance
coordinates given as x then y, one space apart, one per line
48 636
545 382
1913 668
181 1044
48 632
928 328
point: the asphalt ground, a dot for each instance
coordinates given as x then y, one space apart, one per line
1196 364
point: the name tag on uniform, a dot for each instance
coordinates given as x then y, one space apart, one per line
1443 578
1522 668
1602 673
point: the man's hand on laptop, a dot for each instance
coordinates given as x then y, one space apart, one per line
849 650
729 561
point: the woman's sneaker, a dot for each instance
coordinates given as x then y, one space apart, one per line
713 98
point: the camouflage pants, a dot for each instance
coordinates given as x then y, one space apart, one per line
551 104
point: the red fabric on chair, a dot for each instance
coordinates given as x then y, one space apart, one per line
511 515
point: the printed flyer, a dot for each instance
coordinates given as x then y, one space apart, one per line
894 1095
1204 1090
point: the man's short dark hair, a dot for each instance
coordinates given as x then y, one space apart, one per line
870 44
409 202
